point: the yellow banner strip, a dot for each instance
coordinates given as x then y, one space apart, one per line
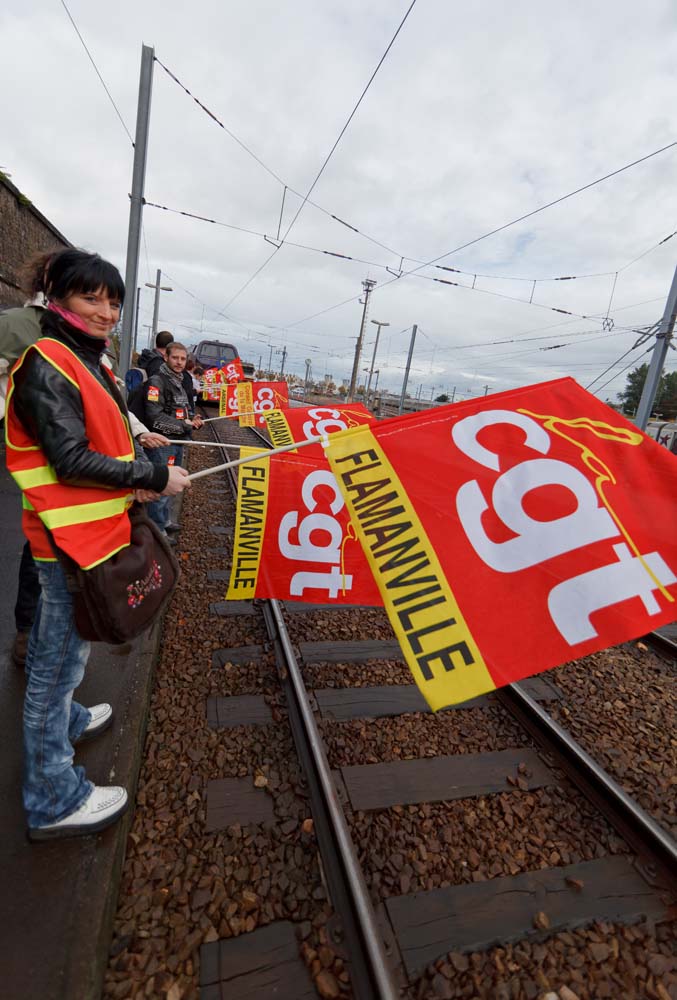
278 428
438 646
245 404
250 523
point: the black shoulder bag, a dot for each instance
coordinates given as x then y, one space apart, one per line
122 596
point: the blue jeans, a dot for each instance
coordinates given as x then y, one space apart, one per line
158 510
55 665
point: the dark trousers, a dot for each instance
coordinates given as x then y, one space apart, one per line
28 593
158 510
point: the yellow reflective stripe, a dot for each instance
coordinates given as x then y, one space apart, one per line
63 517
129 457
10 393
51 340
43 475
108 555
25 503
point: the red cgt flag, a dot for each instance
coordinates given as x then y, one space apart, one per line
258 396
232 372
293 536
512 534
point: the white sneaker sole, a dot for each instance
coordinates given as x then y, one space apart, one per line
91 733
77 829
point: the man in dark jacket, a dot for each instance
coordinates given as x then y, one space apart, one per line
152 361
169 411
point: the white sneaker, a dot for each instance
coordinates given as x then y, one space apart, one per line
102 716
103 807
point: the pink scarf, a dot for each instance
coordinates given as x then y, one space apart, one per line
70 317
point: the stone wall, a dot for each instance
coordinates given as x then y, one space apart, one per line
23 231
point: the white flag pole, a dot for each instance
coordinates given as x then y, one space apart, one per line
231 416
208 444
258 458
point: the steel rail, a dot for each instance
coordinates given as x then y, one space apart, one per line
662 644
371 973
649 839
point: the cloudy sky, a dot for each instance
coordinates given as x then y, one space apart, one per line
480 114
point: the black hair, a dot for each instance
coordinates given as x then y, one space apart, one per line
163 339
73 272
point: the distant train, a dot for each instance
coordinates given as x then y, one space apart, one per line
665 432
209 354
215 353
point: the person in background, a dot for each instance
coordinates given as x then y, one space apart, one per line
169 412
195 374
189 384
152 361
19 328
70 450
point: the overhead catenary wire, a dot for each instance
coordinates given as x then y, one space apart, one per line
376 264
264 236
423 264
286 187
613 365
327 158
613 377
499 229
96 70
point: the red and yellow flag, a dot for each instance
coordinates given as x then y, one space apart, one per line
511 534
265 396
293 536
233 372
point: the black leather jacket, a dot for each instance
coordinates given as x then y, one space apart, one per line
167 406
50 408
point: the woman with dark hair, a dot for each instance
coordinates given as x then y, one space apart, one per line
70 449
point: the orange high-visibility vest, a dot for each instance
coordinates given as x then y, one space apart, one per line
89 523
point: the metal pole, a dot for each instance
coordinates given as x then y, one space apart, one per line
367 284
136 319
373 357
270 360
406 373
653 376
136 204
305 384
156 304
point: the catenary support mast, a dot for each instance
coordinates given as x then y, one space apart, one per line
136 206
367 284
663 338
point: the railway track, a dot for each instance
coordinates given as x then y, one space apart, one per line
458 854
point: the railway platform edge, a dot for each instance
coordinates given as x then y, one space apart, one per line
58 898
